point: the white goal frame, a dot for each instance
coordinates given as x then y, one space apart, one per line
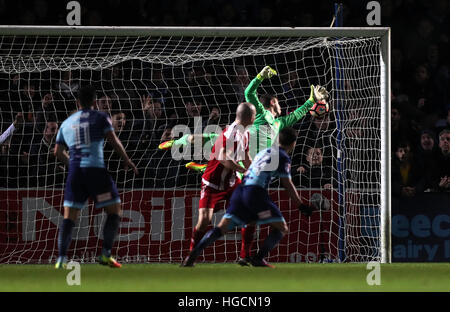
361 32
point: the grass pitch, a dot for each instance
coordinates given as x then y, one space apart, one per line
286 277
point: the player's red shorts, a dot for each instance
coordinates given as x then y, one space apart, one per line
209 197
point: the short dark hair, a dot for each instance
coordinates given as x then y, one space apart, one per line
287 136
86 96
265 100
444 131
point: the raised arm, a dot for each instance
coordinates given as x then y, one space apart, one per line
118 147
16 124
250 92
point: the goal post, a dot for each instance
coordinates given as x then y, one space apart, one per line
183 67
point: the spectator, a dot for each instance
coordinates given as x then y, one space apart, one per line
401 129
313 174
67 86
240 83
13 104
104 104
423 97
291 91
443 123
193 118
43 165
50 110
407 179
158 88
27 99
149 129
441 174
425 156
213 118
119 121
318 131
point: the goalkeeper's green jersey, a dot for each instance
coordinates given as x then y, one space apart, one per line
265 117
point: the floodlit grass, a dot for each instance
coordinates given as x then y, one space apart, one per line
286 277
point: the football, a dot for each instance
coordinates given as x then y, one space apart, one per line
319 108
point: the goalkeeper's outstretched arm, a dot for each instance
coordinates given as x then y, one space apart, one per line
318 93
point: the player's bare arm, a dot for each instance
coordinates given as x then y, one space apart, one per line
247 160
61 154
118 147
293 195
226 159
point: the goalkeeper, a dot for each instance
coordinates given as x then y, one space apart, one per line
266 127
267 111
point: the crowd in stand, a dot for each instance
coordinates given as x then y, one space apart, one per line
144 111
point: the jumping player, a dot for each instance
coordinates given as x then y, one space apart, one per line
266 126
83 134
220 179
251 203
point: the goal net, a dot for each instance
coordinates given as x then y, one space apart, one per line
150 80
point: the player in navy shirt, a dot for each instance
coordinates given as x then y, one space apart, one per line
83 134
250 203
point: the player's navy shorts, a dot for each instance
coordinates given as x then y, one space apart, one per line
94 183
252 203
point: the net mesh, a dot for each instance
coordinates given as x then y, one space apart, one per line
150 84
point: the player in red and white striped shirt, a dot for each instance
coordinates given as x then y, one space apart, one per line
220 178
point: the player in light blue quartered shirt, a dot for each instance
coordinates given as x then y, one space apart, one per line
250 203
83 134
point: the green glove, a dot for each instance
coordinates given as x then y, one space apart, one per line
318 93
267 72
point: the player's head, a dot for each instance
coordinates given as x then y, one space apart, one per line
245 114
270 102
287 138
86 96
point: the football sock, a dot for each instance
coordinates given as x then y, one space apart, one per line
182 141
209 238
247 240
196 237
109 233
269 243
65 236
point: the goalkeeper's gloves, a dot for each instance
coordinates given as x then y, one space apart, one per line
306 210
318 93
267 72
